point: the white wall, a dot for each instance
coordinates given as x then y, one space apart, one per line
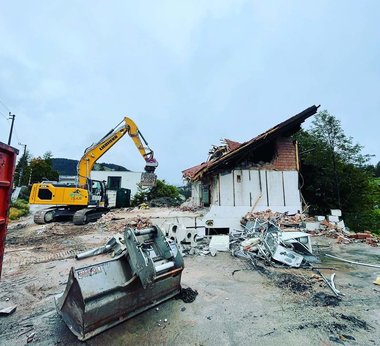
129 180
258 189
196 193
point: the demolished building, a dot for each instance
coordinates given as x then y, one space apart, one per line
260 174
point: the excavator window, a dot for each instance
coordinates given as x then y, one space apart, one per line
45 194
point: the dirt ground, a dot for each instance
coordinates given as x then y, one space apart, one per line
236 305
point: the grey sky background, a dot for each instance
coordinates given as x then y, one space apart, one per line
188 73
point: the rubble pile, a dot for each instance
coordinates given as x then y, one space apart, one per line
263 239
331 226
111 221
282 219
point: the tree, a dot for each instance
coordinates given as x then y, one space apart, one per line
42 169
21 176
334 173
377 170
162 189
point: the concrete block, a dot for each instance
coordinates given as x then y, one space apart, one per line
336 212
312 226
220 243
320 218
333 218
341 225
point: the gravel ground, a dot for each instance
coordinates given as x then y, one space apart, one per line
236 304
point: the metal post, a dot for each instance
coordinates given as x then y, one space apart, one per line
11 116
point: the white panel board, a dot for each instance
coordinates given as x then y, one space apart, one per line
238 187
215 191
226 189
196 193
275 189
292 194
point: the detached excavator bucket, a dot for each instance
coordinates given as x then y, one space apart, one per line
102 295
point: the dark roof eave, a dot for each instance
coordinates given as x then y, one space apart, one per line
288 127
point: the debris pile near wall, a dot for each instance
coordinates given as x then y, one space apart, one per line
112 221
331 225
280 218
264 240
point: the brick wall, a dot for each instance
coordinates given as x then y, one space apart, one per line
285 158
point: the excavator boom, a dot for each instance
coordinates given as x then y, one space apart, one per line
97 150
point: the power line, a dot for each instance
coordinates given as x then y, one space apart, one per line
6 117
5 106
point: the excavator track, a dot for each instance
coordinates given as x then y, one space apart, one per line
83 216
44 216
53 214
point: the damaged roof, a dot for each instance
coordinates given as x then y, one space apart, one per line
286 128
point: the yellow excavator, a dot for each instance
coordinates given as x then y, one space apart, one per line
87 200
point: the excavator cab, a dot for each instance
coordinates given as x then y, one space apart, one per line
98 193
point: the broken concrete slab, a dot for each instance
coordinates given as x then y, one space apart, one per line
333 218
220 243
320 218
7 311
336 212
312 226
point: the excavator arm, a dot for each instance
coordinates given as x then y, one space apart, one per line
97 150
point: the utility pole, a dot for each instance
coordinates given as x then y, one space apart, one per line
30 176
11 116
21 166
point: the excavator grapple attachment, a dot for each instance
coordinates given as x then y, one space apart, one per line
148 179
104 294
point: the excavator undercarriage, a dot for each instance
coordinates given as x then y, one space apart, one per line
145 271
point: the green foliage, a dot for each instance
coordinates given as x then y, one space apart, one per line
22 171
42 169
335 174
377 170
160 190
18 208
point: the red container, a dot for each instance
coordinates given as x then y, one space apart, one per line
7 167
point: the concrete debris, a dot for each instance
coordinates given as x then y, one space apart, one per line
111 221
220 243
331 226
336 212
7 311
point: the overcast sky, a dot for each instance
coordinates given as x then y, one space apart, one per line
188 73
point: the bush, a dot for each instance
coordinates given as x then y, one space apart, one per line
162 189
18 208
359 222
